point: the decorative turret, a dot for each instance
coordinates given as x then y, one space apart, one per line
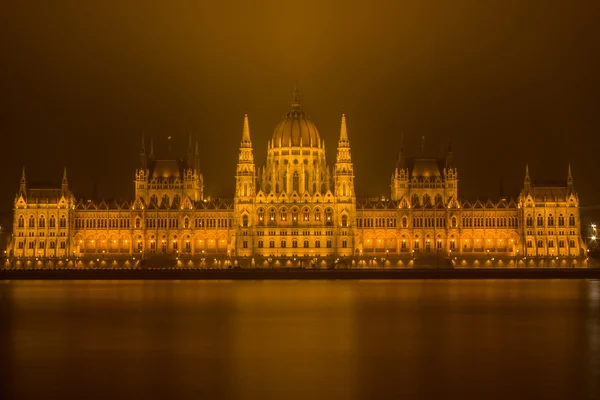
399 183
23 186
570 182
344 170
246 172
65 183
527 182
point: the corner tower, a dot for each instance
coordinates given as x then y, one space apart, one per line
245 192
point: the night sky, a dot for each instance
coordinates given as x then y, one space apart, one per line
508 82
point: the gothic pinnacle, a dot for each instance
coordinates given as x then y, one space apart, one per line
246 130
343 130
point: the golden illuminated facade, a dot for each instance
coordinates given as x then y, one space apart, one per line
296 207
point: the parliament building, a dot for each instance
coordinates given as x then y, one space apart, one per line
296 207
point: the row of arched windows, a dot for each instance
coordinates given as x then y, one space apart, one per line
41 222
271 216
549 219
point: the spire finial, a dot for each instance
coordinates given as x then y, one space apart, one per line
422 144
527 178
343 130
246 129
570 177
65 175
23 188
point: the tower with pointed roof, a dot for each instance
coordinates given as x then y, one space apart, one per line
245 188
245 191
343 183
344 170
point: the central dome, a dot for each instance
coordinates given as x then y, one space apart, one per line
296 129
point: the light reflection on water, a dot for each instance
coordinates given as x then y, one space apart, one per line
301 339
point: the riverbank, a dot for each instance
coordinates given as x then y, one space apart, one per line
292 274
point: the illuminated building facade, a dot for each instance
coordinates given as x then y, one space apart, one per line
296 207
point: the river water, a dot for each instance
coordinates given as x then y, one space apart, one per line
300 339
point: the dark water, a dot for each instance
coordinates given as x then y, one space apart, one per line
301 339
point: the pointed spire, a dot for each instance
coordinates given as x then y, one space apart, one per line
151 148
527 178
246 130
23 186
422 144
143 149
196 151
343 130
570 180
65 182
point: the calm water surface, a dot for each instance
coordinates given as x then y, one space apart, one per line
300 339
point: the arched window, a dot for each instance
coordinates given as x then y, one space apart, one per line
21 221
529 220
344 220
540 220
261 216
244 220
283 214
294 215
62 222
550 220
453 222
52 222
317 215
438 198
414 200
296 182
306 182
329 216
285 182
571 220
561 220
138 223
404 222
186 222
42 223
306 214
272 215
